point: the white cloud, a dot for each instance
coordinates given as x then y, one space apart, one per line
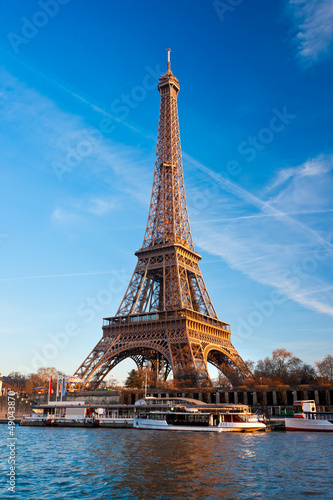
269 255
53 139
311 168
271 244
74 208
265 207
313 22
305 188
97 206
62 216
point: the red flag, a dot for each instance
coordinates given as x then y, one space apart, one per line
50 388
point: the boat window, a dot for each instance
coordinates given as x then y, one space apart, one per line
298 408
157 416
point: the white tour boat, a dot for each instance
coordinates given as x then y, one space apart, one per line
78 413
191 419
306 418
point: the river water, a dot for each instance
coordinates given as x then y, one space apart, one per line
65 463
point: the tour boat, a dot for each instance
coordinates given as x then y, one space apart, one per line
306 418
190 419
79 414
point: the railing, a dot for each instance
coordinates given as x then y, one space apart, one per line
133 318
35 417
165 315
58 418
144 317
128 418
318 416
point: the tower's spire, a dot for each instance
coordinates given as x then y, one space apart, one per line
169 63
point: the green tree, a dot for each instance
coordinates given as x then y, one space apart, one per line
135 379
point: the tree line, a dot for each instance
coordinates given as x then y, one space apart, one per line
41 378
285 368
282 368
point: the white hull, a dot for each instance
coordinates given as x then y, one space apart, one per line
161 425
304 424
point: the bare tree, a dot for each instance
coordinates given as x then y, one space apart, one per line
17 380
42 378
325 368
284 368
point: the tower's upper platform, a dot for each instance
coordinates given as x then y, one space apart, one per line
168 80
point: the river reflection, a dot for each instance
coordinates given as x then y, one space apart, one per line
133 464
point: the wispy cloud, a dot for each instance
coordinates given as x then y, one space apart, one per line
57 137
313 21
48 276
264 206
72 209
261 216
270 244
311 168
306 187
98 206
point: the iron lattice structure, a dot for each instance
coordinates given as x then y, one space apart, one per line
166 320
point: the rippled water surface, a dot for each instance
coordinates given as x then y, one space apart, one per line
57 463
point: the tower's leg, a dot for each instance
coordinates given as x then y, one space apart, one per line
189 365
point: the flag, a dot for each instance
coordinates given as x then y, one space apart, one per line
50 387
63 390
57 387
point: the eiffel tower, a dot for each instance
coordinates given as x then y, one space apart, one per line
166 320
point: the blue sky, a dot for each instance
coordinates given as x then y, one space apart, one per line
78 133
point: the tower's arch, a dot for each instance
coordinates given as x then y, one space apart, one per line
144 356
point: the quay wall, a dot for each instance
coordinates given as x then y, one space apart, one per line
95 397
22 407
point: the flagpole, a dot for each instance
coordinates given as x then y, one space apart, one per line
50 390
63 387
57 393
146 385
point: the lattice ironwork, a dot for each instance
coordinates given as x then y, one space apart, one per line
166 319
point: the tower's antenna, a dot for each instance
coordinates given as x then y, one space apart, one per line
169 63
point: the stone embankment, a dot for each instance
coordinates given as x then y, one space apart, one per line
21 407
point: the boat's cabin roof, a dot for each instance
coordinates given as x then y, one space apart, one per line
182 410
307 405
150 400
188 403
179 412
